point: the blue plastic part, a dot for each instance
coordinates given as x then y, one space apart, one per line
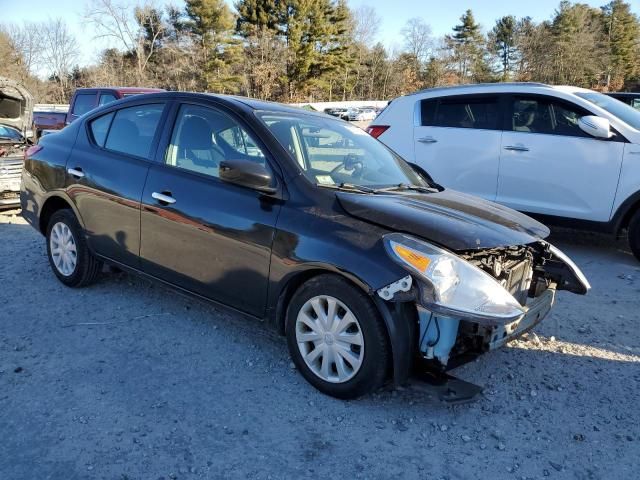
433 344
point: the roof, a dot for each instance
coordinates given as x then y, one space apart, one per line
471 86
124 89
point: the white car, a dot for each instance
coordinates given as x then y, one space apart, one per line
362 114
568 155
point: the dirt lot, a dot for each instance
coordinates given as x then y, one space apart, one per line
128 380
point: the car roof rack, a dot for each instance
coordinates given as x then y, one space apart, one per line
465 86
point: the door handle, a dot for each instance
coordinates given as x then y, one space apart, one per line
516 148
427 140
162 198
76 172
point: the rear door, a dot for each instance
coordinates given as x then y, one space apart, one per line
199 232
106 174
550 166
457 140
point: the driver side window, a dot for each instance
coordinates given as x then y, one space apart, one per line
203 137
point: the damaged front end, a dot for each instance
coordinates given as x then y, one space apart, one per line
16 107
474 301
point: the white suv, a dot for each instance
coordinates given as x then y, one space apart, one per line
566 154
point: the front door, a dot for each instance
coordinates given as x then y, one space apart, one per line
458 142
550 166
201 233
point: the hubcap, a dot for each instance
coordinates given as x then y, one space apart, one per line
63 249
330 339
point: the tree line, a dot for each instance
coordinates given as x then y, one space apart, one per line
315 50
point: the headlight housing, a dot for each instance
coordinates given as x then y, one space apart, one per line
452 286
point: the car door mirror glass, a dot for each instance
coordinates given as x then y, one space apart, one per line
595 126
246 173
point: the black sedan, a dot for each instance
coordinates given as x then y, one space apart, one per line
363 262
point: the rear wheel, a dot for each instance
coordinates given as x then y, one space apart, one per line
69 256
337 338
634 234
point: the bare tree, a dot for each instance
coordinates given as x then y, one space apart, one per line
27 39
136 31
417 38
60 53
367 24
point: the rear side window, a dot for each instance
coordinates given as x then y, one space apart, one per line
83 103
133 128
99 128
461 112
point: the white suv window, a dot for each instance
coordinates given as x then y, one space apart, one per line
464 111
545 115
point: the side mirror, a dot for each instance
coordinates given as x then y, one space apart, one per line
595 126
247 174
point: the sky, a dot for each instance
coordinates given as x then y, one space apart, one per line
441 15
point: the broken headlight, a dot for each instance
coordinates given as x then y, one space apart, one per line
452 286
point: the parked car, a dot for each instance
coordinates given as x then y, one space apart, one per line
336 112
362 114
630 98
354 254
16 105
564 154
86 99
47 120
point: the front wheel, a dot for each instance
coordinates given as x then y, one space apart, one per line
70 258
337 338
634 234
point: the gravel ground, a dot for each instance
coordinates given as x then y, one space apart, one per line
129 380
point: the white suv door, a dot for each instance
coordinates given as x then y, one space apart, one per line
550 166
457 140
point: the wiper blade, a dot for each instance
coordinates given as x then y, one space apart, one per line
348 186
406 186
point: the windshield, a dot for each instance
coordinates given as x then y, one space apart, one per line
333 153
624 112
9 133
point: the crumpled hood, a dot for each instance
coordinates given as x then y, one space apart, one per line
451 219
16 105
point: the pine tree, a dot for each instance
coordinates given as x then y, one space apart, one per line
622 29
257 15
502 39
314 33
211 22
469 49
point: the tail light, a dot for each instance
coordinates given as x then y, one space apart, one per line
32 150
376 130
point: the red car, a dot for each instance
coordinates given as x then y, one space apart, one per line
86 99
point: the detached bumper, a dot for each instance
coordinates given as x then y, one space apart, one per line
536 311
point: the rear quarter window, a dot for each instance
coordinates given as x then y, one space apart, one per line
100 127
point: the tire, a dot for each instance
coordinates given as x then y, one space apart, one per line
634 234
80 269
337 347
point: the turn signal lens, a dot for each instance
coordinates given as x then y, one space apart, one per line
413 258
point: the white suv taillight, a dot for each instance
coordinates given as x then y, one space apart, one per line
376 130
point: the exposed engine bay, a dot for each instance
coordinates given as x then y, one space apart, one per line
530 273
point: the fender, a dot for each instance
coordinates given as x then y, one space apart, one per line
621 218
